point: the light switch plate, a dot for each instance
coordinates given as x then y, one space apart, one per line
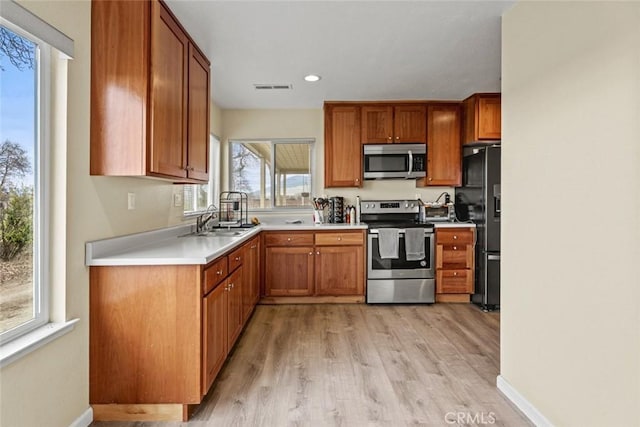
177 200
131 201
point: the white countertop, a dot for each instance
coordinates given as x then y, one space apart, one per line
170 246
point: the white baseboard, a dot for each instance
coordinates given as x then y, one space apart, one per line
83 420
530 411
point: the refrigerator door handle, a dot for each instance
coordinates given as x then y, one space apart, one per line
493 257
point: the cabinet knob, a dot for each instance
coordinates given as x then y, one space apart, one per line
231 285
397 138
357 180
310 253
339 238
237 258
288 239
455 237
455 273
318 253
389 138
253 246
455 248
430 179
219 272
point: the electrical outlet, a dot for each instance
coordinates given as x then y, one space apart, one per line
131 201
177 200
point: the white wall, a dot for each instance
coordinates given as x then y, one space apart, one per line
247 124
570 334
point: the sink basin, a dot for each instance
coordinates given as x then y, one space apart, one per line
219 233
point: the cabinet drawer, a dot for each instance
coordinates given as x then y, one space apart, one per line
235 258
459 236
337 239
454 281
215 273
288 239
454 256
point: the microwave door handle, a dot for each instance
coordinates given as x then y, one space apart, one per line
410 165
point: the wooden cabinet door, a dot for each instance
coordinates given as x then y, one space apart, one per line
234 306
198 111
256 265
342 147
444 155
214 338
169 75
289 271
410 124
377 124
489 117
251 285
340 270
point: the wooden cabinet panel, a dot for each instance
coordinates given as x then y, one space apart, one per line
454 281
454 256
215 273
145 334
118 117
342 147
289 271
410 124
377 124
236 258
455 264
444 155
169 79
198 129
234 306
251 266
149 94
460 236
288 239
214 334
343 238
482 118
340 270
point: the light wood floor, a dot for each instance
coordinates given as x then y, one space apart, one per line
359 365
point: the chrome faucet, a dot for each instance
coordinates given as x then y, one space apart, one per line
207 216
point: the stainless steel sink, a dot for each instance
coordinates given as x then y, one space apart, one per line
218 233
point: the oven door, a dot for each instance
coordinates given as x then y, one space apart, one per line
400 268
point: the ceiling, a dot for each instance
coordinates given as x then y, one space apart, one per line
363 50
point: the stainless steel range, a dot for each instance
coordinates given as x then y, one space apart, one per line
403 275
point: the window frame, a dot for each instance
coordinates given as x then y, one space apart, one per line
213 184
272 170
41 190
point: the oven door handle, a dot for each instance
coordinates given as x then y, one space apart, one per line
410 164
374 231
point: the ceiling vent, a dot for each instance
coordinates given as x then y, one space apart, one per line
272 86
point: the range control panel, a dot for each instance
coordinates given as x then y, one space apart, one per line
389 206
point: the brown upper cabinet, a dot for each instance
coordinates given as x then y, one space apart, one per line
444 156
342 148
481 118
390 123
149 94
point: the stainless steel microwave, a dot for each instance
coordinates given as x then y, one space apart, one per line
400 161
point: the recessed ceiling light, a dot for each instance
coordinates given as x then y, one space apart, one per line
312 78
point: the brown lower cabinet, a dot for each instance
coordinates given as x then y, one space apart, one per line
159 335
320 264
455 264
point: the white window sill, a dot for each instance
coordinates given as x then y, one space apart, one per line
19 347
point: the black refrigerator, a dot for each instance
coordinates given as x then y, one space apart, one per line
478 200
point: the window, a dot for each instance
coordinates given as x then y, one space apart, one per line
24 71
274 173
197 197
